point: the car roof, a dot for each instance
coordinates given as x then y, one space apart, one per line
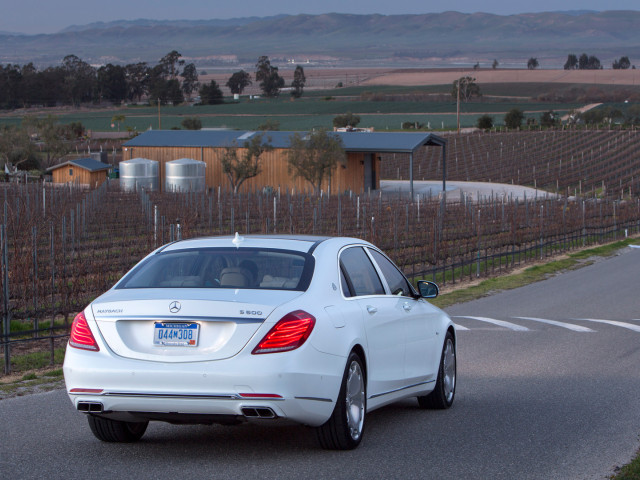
300 243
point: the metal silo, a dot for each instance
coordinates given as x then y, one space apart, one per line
184 175
139 173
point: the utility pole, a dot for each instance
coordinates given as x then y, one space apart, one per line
159 119
458 106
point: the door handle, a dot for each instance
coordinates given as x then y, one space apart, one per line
371 309
406 307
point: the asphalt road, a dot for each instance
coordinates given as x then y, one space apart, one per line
555 395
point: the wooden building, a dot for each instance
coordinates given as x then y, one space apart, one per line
360 173
82 171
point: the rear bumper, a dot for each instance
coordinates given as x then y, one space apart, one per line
300 386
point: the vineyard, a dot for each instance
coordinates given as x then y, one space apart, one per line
63 246
601 163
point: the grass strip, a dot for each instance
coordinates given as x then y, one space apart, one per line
630 471
36 360
532 274
32 382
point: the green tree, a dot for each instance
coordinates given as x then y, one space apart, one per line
299 80
240 166
137 75
549 119
211 94
346 120
314 156
485 122
571 63
76 129
11 88
272 125
189 79
238 82
622 64
191 123
468 89
174 92
270 81
163 90
632 115
532 63
170 64
513 118
79 80
586 62
112 83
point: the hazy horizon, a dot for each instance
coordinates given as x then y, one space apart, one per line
39 17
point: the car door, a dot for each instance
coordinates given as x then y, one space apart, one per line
418 320
385 336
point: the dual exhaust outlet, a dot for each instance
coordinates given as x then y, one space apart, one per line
258 412
90 407
248 412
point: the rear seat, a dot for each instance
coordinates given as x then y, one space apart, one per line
278 282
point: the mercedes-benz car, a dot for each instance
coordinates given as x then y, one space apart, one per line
316 331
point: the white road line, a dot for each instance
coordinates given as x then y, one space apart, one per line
570 326
459 327
501 323
630 326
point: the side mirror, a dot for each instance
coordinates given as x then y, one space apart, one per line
428 289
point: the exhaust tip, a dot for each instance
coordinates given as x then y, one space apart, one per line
90 407
259 412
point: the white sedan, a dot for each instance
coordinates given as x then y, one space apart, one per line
314 330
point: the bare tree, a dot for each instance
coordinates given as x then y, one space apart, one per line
240 166
314 156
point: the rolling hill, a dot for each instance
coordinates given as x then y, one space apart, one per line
448 38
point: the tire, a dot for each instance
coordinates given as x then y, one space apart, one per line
344 429
109 430
445 390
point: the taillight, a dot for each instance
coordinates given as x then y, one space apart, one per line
288 334
81 336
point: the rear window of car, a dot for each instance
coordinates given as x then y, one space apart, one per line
237 268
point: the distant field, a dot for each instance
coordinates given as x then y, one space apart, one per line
383 98
447 76
303 114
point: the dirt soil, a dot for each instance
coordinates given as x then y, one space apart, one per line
447 76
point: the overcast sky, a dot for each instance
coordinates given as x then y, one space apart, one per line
48 16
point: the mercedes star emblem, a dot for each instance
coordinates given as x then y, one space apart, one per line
174 307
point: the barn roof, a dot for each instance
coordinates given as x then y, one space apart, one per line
86 163
352 141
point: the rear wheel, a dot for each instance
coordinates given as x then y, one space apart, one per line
343 431
445 390
109 430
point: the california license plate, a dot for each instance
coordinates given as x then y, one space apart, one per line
174 334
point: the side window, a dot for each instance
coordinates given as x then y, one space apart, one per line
361 276
397 282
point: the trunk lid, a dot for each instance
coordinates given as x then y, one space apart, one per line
130 321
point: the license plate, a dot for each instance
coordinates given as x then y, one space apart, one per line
171 334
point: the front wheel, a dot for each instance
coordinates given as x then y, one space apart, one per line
343 431
109 430
445 390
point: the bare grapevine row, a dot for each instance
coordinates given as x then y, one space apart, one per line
62 247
